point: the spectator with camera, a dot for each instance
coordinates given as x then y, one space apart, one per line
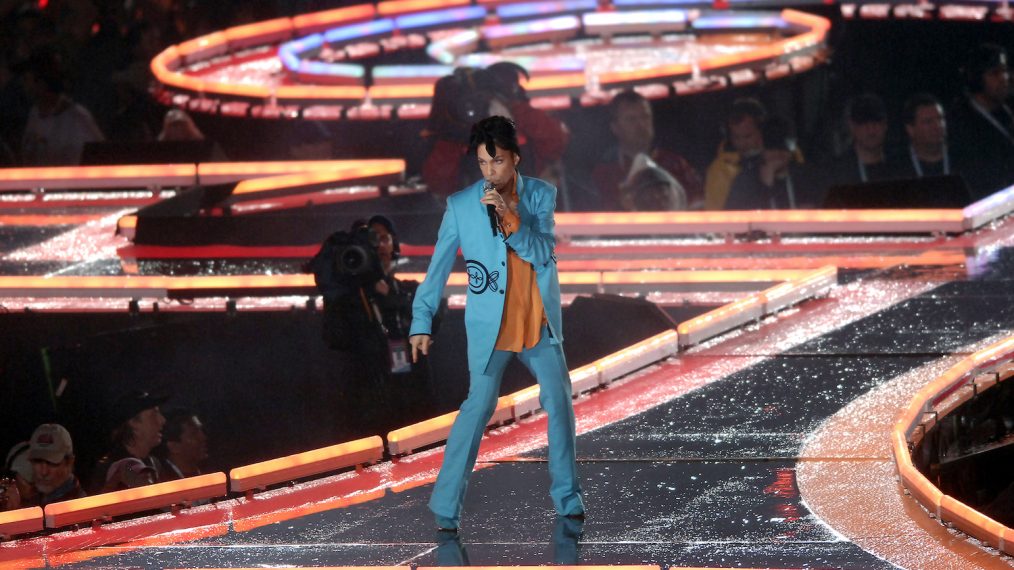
367 314
776 178
744 142
16 489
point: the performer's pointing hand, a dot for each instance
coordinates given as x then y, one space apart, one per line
420 343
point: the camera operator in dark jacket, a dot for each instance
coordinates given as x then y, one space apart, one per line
367 314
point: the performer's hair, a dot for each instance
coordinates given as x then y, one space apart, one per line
914 102
492 132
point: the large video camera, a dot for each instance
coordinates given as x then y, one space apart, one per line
348 258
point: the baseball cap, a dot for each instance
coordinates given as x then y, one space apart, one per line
50 442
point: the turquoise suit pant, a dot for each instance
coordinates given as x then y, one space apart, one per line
547 363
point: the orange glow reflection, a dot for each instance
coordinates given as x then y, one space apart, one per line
305 464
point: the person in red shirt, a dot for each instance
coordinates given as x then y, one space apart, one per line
632 123
467 95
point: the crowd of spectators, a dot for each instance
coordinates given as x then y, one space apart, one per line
143 447
758 163
76 72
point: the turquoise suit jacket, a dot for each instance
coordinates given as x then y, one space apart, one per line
466 225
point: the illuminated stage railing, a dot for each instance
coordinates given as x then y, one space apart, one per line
605 370
512 407
140 499
318 51
306 464
934 401
20 521
347 172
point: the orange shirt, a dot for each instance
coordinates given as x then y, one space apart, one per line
523 312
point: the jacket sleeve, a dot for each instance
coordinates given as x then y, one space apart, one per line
534 240
430 292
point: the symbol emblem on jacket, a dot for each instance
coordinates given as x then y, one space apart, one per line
480 279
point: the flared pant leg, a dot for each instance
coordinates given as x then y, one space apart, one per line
547 363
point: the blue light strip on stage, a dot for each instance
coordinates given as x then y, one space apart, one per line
756 22
642 21
324 70
291 56
441 18
290 52
999 203
446 50
355 32
530 9
521 29
411 71
640 4
531 63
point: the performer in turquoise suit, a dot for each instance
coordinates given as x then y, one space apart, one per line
513 308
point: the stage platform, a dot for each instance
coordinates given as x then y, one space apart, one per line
764 446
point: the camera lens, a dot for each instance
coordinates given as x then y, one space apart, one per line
353 259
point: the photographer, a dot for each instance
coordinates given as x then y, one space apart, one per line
367 313
469 94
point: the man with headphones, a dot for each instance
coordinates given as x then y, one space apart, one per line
982 123
743 141
367 314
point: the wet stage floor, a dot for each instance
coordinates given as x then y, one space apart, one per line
692 462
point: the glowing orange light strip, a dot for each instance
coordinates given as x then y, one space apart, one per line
131 285
349 171
54 220
250 169
21 521
127 222
396 7
542 83
314 462
866 261
166 63
202 43
410 438
946 508
321 92
418 91
666 71
701 276
135 500
57 177
266 29
317 21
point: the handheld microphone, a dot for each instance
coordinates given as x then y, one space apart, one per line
490 209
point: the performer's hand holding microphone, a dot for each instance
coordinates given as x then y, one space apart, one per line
494 224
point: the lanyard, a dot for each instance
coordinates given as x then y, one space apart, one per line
790 193
918 165
992 120
862 169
